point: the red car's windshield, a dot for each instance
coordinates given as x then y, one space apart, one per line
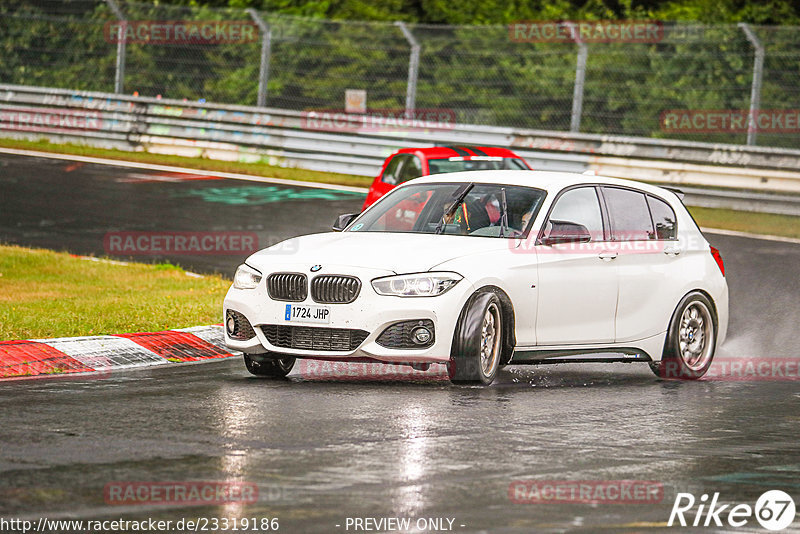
474 163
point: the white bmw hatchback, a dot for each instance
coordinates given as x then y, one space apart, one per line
479 270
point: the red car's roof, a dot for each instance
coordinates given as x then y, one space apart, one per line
436 152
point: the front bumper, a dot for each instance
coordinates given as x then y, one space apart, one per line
370 312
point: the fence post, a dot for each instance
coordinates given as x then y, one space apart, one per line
119 76
580 75
266 51
413 69
755 88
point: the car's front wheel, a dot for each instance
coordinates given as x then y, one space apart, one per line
478 341
269 365
691 340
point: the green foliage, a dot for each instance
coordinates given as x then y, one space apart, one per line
53 294
468 64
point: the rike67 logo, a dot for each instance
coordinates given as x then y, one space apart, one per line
774 510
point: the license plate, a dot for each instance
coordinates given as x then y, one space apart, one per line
296 313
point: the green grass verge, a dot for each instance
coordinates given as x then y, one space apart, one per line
746 221
255 169
47 294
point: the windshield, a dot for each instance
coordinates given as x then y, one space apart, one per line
438 208
475 163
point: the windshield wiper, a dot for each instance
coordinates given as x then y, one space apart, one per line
503 212
460 194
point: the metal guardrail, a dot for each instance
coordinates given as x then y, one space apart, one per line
742 201
292 139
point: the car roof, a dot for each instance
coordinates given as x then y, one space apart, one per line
435 152
548 180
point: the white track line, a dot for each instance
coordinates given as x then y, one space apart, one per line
169 168
117 262
763 237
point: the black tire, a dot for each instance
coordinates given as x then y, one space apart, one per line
477 345
691 340
269 365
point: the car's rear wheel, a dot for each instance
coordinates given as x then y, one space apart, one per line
269 364
691 340
478 341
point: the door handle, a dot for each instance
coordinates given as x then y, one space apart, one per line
608 256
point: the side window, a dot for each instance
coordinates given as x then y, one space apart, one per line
390 175
412 168
516 164
663 217
629 215
578 206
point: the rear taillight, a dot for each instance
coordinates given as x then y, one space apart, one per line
718 259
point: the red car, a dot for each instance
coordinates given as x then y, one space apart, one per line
409 163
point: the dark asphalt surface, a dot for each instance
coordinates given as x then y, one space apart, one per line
63 205
321 451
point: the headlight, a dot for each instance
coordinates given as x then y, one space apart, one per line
246 277
416 285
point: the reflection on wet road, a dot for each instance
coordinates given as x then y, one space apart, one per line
321 450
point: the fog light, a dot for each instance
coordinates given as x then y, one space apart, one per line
421 335
237 326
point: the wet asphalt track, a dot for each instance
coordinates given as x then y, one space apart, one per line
321 451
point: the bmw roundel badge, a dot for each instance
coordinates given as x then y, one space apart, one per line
316 268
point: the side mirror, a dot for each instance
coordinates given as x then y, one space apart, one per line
342 221
566 232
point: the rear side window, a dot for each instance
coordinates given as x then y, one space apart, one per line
390 175
629 215
412 168
663 217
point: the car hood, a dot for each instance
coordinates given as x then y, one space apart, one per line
395 252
